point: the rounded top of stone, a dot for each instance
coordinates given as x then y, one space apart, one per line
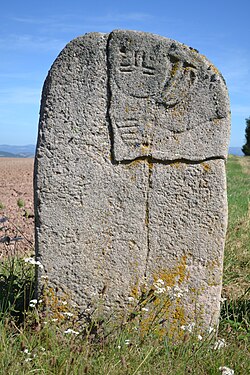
165 100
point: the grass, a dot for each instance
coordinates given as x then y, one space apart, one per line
20 203
237 252
47 338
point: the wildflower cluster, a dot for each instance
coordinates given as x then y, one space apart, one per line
34 262
158 309
52 307
189 328
173 292
34 302
159 287
220 344
226 370
71 331
29 355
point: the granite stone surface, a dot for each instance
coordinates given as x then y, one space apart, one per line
130 180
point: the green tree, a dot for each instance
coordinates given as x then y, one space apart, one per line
246 147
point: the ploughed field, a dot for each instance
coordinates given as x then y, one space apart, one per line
16 203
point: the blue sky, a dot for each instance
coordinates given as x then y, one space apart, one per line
32 33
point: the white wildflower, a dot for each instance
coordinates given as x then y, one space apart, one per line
69 314
64 302
131 299
39 264
220 344
199 337
34 262
159 282
210 330
188 327
28 354
160 290
119 347
144 309
159 287
174 292
226 370
33 303
127 342
178 292
69 330
28 359
54 320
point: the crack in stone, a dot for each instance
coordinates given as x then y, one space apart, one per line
147 219
152 160
109 95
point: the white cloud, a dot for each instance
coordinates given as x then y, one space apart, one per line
49 25
30 42
240 109
79 24
19 95
117 17
234 65
17 75
60 19
33 21
37 36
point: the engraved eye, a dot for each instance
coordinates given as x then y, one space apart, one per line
123 49
192 76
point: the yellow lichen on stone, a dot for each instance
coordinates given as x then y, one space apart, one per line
216 121
160 309
214 69
135 290
176 275
145 149
206 167
174 69
176 164
134 163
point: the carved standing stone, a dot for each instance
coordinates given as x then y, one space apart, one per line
130 172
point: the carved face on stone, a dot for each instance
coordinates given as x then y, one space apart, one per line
160 91
140 71
153 70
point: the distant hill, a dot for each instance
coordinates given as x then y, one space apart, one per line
10 151
4 154
235 151
28 151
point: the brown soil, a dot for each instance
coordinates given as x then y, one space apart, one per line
16 204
